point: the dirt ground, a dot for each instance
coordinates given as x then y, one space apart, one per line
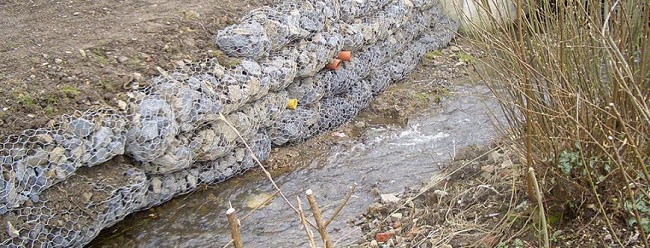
60 56
479 200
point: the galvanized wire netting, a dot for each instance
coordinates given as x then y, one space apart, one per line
60 185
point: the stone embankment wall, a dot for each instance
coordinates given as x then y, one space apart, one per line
61 185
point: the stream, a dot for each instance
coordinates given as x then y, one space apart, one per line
384 159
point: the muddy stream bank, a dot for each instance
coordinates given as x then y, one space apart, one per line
380 153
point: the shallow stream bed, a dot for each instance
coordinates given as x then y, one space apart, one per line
382 158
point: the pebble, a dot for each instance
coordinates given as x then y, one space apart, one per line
396 216
488 169
389 198
87 196
454 48
122 105
11 230
58 61
137 76
376 208
121 59
440 193
495 156
45 138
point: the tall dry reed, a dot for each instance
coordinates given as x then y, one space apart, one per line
573 78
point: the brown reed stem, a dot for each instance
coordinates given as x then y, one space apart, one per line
322 228
303 221
266 172
340 207
540 204
233 222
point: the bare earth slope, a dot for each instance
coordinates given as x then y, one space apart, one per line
60 56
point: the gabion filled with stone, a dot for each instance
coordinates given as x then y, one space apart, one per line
61 185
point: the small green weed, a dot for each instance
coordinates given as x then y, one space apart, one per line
99 56
27 100
641 205
516 243
465 57
433 54
49 110
568 161
69 90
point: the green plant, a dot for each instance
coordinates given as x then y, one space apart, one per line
27 100
641 205
69 90
433 54
49 110
568 161
99 56
465 57
516 243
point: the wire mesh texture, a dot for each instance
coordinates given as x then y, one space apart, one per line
62 184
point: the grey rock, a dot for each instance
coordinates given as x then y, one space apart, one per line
116 147
34 198
251 68
247 40
77 153
156 185
100 156
81 127
56 155
102 137
39 158
45 138
149 130
151 107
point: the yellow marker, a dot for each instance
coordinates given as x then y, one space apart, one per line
292 104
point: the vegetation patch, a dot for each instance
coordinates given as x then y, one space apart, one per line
574 84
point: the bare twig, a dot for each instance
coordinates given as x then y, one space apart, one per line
303 221
340 207
266 172
322 228
233 222
540 205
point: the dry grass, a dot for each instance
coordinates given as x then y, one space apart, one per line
573 78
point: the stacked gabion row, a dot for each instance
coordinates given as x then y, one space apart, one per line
57 188
37 159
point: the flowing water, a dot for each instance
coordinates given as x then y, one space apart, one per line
384 159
